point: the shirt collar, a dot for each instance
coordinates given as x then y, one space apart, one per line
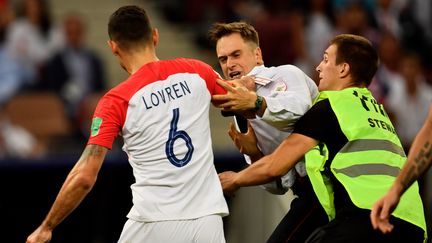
260 79
256 70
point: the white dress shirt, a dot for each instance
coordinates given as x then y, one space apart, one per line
289 93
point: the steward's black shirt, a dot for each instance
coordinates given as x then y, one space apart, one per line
320 123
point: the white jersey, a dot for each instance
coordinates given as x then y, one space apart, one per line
289 93
162 112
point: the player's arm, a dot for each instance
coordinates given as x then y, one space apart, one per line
269 167
419 160
77 185
419 157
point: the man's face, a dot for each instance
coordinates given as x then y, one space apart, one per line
237 57
328 70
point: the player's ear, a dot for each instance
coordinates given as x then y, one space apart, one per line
155 36
113 46
258 56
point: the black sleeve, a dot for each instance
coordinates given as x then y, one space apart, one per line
320 123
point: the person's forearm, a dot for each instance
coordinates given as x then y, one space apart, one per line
278 163
256 174
419 158
282 114
260 173
70 196
77 185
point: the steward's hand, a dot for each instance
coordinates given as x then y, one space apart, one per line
227 180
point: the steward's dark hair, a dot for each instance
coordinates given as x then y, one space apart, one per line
360 55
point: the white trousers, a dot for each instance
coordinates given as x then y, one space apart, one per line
208 229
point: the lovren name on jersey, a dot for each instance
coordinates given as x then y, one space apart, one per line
175 91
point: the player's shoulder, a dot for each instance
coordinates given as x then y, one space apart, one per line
289 68
189 60
122 91
194 62
198 66
179 65
287 73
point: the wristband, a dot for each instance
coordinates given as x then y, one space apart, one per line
258 103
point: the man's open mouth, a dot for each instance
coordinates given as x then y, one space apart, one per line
235 74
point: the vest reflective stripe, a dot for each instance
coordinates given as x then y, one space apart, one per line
372 144
369 169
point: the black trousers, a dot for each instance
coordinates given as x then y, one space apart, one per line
354 226
305 215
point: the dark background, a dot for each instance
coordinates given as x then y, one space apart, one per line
28 189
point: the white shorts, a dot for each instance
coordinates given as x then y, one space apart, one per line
208 229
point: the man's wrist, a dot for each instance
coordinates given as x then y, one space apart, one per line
258 103
47 226
236 183
398 188
256 156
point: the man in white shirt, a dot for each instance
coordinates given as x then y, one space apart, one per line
282 95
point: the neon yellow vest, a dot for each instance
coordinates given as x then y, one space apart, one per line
369 163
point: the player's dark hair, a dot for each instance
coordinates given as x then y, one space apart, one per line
360 55
130 26
247 31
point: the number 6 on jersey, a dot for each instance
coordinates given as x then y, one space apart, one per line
175 134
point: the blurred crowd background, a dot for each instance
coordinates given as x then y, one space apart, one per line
51 78
44 60
297 32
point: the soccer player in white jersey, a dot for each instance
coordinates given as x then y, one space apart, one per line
162 113
283 94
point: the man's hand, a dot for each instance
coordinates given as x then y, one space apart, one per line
382 209
237 98
40 235
245 142
227 180
247 82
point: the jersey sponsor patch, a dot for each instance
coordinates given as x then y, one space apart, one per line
95 127
280 86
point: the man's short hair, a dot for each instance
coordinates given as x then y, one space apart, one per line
359 53
247 31
130 26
